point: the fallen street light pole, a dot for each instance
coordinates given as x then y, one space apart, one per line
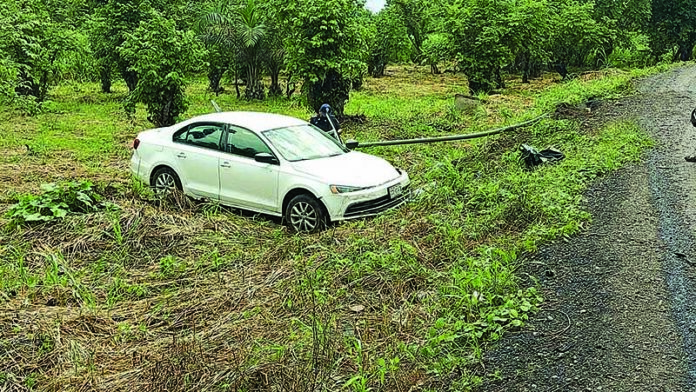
353 144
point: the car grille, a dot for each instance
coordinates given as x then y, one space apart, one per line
375 206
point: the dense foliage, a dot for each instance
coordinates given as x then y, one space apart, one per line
160 55
269 47
56 201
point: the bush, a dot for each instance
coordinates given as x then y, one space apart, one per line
161 56
35 44
325 48
436 49
57 201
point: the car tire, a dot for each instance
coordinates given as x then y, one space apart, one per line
305 214
164 181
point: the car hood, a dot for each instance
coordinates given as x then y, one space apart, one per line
351 169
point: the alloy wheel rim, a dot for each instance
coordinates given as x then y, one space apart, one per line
303 217
164 184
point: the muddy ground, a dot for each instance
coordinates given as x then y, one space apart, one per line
620 310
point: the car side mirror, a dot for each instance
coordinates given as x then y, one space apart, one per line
265 157
352 144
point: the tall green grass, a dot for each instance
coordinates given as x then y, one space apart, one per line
411 297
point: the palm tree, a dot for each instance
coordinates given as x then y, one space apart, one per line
251 33
214 30
239 32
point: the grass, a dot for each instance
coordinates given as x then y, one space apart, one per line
185 296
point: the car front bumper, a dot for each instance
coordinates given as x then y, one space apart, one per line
353 205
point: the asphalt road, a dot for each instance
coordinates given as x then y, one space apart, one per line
620 311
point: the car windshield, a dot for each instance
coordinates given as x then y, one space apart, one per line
303 142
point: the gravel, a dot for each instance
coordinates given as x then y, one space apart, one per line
620 310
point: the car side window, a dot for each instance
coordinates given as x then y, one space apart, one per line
201 135
244 142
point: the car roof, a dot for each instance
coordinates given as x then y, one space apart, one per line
254 121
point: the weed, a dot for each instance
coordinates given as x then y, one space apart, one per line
410 298
56 201
170 266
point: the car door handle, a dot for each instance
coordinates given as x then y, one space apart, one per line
181 155
225 164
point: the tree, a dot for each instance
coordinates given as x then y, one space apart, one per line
527 30
241 30
574 34
674 25
325 49
220 42
32 44
478 28
113 20
111 24
161 56
436 48
8 80
623 19
9 69
275 49
251 31
415 16
387 40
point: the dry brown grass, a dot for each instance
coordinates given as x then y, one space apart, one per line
202 326
183 296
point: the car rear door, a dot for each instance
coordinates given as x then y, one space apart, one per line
244 181
195 153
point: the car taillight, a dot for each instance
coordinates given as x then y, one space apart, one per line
136 143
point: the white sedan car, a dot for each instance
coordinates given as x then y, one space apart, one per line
268 163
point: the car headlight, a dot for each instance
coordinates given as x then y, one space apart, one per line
336 189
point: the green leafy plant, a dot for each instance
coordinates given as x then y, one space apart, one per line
387 40
326 48
436 49
162 56
57 201
31 45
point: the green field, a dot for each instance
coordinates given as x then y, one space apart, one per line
191 296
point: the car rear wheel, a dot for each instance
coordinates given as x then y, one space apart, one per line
304 213
165 181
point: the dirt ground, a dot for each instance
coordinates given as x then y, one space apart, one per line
620 310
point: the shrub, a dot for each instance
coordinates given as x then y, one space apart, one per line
57 201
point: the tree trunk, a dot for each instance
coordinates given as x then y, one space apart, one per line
42 88
254 87
274 90
686 51
377 69
334 89
562 69
288 90
499 82
131 79
236 85
214 77
357 83
524 64
481 79
105 78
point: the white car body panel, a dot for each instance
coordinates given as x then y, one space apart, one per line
243 182
247 183
354 168
199 168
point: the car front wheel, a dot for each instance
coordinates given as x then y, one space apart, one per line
165 181
305 214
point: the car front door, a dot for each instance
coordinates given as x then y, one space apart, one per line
196 151
244 181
